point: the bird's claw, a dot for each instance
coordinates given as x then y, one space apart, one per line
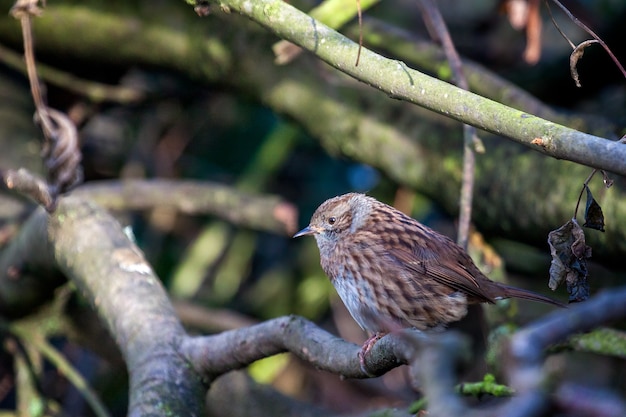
367 346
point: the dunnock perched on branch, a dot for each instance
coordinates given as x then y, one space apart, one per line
392 271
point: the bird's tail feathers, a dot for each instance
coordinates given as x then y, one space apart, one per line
513 292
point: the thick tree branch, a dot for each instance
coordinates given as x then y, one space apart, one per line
401 82
90 248
27 272
214 355
428 57
265 213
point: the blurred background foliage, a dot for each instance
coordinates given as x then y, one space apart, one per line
221 276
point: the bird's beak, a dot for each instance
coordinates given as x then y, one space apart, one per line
305 232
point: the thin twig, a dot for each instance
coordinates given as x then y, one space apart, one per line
360 15
586 183
582 190
24 12
435 21
571 44
592 33
60 149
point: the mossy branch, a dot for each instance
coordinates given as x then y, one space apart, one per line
399 81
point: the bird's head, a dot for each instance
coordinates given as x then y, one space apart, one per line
337 216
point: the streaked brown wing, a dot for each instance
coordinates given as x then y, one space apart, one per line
443 266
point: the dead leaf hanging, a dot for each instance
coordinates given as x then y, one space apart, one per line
594 219
569 260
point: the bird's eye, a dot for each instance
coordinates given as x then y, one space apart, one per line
332 220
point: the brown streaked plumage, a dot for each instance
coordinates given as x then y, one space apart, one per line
389 269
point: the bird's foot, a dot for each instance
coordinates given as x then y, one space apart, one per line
367 346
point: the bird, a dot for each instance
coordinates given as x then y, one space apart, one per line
391 271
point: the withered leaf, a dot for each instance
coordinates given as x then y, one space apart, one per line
594 219
576 56
569 260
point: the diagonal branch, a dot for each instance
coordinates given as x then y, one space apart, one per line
89 247
400 82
